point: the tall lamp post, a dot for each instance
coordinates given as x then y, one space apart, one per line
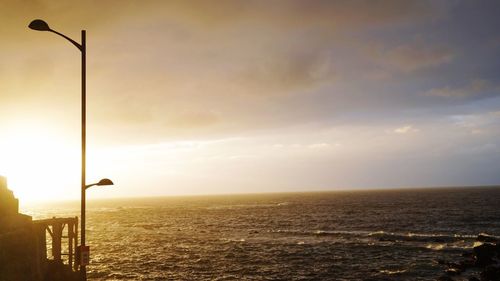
41 25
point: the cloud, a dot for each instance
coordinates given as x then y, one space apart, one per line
322 145
297 13
193 120
411 57
283 73
478 122
474 88
191 68
405 130
275 14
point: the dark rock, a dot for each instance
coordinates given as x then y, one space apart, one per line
483 259
484 254
491 273
455 268
487 238
468 263
445 278
467 254
463 265
453 271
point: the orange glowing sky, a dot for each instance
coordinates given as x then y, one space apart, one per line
201 97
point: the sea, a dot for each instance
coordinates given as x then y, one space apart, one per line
343 235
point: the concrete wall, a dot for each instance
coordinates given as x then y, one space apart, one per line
18 255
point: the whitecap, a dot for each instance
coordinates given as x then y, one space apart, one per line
436 247
392 272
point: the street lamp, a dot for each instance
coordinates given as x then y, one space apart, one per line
102 182
41 25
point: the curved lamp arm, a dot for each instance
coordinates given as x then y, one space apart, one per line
80 47
41 25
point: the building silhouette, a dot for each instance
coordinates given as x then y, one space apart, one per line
23 244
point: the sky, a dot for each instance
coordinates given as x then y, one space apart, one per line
204 97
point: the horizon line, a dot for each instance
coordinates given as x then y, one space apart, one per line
341 190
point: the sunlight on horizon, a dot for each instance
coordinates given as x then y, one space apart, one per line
38 162
200 109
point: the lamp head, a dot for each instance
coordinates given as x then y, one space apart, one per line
105 182
39 25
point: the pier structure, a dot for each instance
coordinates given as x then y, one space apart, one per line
59 229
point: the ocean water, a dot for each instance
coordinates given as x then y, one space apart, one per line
362 235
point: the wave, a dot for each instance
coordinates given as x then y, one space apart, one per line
420 237
248 206
392 272
432 240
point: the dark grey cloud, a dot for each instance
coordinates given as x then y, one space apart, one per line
251 65
473 89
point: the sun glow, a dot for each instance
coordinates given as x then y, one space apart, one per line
40 163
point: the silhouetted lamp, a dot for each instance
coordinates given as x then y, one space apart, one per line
41 25
102 182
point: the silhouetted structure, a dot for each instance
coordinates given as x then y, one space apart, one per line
23 244
83 250
56 227
8 204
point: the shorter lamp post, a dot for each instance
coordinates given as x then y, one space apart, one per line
83 253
